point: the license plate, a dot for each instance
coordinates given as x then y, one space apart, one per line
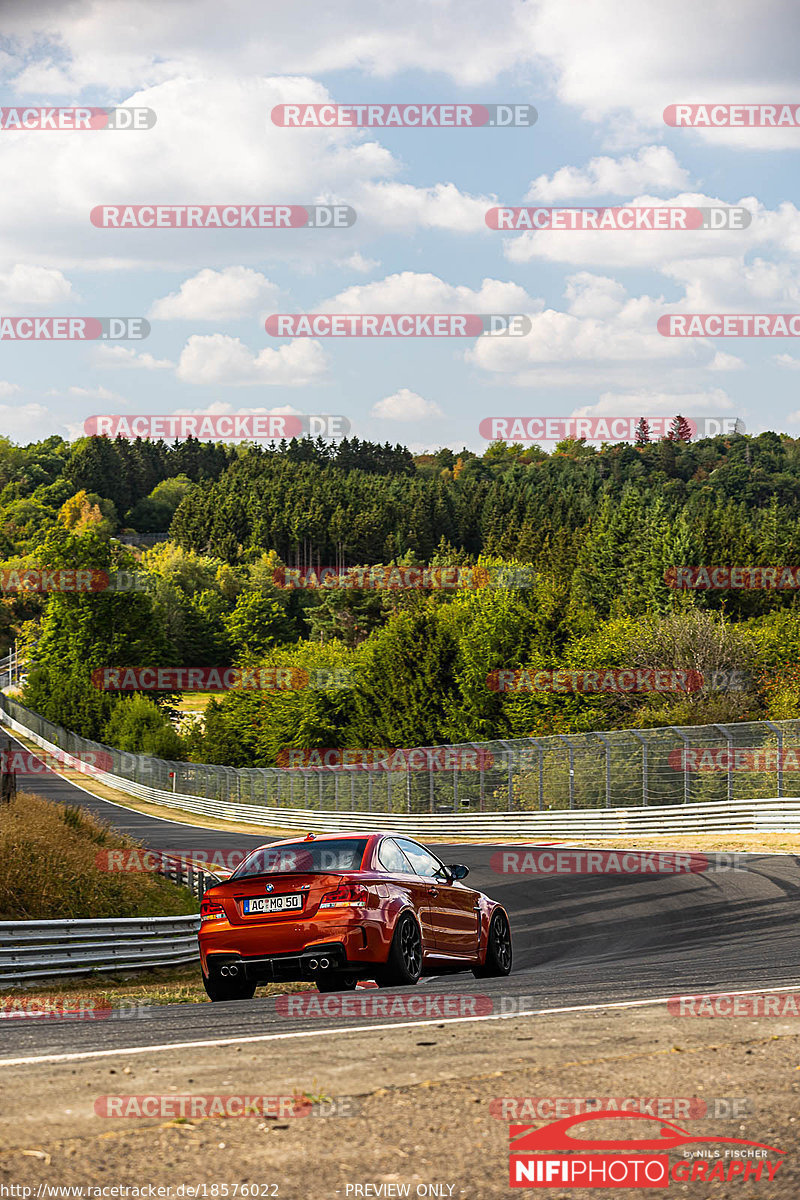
272 904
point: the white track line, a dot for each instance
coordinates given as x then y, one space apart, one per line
309 1033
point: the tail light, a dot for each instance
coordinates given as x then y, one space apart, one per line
211 910
346 895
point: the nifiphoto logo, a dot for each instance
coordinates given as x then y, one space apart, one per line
582 1151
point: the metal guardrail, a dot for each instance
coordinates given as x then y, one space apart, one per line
185 872
37 949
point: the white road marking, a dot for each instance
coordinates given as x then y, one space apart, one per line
307 1033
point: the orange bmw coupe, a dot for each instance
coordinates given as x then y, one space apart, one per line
336 908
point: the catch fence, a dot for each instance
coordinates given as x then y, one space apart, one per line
674 765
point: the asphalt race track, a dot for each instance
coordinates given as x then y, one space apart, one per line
578 940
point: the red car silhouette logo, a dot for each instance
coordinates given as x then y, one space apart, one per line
527 1139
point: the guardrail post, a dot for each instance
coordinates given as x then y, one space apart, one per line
607 744
779 733
643 740
571 750
729 738
685 741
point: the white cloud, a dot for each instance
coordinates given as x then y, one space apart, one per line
26 284
218 407
82 393
654 403
723 284
466 40
618 62
594 295
218 359
607 337
645 248
28 422
216 296
357 262
8 389
121 356
725 362
405 405
787 360
653 167
442 206
410 291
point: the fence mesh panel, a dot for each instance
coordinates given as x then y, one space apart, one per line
613 769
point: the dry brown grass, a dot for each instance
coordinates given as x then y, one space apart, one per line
49 868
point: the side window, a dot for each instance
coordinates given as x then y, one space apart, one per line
423 863
391 858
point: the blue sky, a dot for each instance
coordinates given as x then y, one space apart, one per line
600 73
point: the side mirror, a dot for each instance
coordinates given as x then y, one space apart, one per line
458 870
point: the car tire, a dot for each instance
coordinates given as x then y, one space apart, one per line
404 964
499 954
338 982
228 989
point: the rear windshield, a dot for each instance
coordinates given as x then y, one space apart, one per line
307 858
